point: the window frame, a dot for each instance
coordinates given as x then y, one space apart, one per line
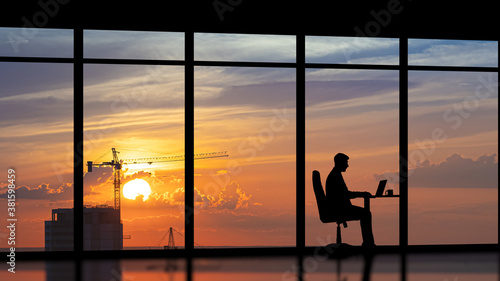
189 63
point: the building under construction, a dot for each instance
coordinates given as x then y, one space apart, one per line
102 229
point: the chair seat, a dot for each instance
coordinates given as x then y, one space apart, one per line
328 218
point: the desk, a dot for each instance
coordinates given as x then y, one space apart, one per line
367 199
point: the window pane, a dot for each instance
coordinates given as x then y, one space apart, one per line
139 111
248 198
355 112
452 52
244 47
453 157
133 45
36 121
352 50
36 42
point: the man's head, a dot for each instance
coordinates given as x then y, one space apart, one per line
341 161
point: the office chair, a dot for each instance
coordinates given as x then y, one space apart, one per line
326 214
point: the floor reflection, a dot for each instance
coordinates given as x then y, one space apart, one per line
441 267
453 267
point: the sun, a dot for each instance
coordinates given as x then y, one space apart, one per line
136 187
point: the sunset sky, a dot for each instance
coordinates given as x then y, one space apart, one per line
248 198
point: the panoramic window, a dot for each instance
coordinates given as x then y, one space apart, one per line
245 137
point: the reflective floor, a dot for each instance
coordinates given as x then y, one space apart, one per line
440 267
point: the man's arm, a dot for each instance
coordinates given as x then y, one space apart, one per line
359 194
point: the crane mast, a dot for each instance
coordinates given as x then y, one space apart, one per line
117 164
117 167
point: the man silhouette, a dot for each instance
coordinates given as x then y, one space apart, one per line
339 197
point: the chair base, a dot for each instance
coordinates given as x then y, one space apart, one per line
335 250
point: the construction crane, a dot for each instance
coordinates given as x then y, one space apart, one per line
117 164
171 242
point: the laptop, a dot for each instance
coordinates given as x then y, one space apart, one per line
381 187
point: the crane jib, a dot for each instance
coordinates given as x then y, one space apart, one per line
117 163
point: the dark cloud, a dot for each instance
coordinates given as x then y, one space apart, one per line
44 192
42 111
261 95
23 78
455 171
232 197
36 42
110 91
320 91
366 50
133 44
229 199
97 177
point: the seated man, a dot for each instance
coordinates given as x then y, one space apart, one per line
339 197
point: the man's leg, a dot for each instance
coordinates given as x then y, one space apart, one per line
365 218
366 228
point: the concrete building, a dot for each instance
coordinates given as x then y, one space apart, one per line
102 229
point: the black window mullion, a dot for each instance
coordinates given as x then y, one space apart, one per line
78 151
189 141
300 142
403 142
78 141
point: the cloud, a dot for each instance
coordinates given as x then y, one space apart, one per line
42 42
237 86
446 52
93 180
244 47
232 197
36 78
133 44
320 91
229 199
43 192
322 49
455 171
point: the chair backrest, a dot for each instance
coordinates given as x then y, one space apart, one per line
324 215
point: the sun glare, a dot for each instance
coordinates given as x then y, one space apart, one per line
136 187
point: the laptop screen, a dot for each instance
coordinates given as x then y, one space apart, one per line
381 187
